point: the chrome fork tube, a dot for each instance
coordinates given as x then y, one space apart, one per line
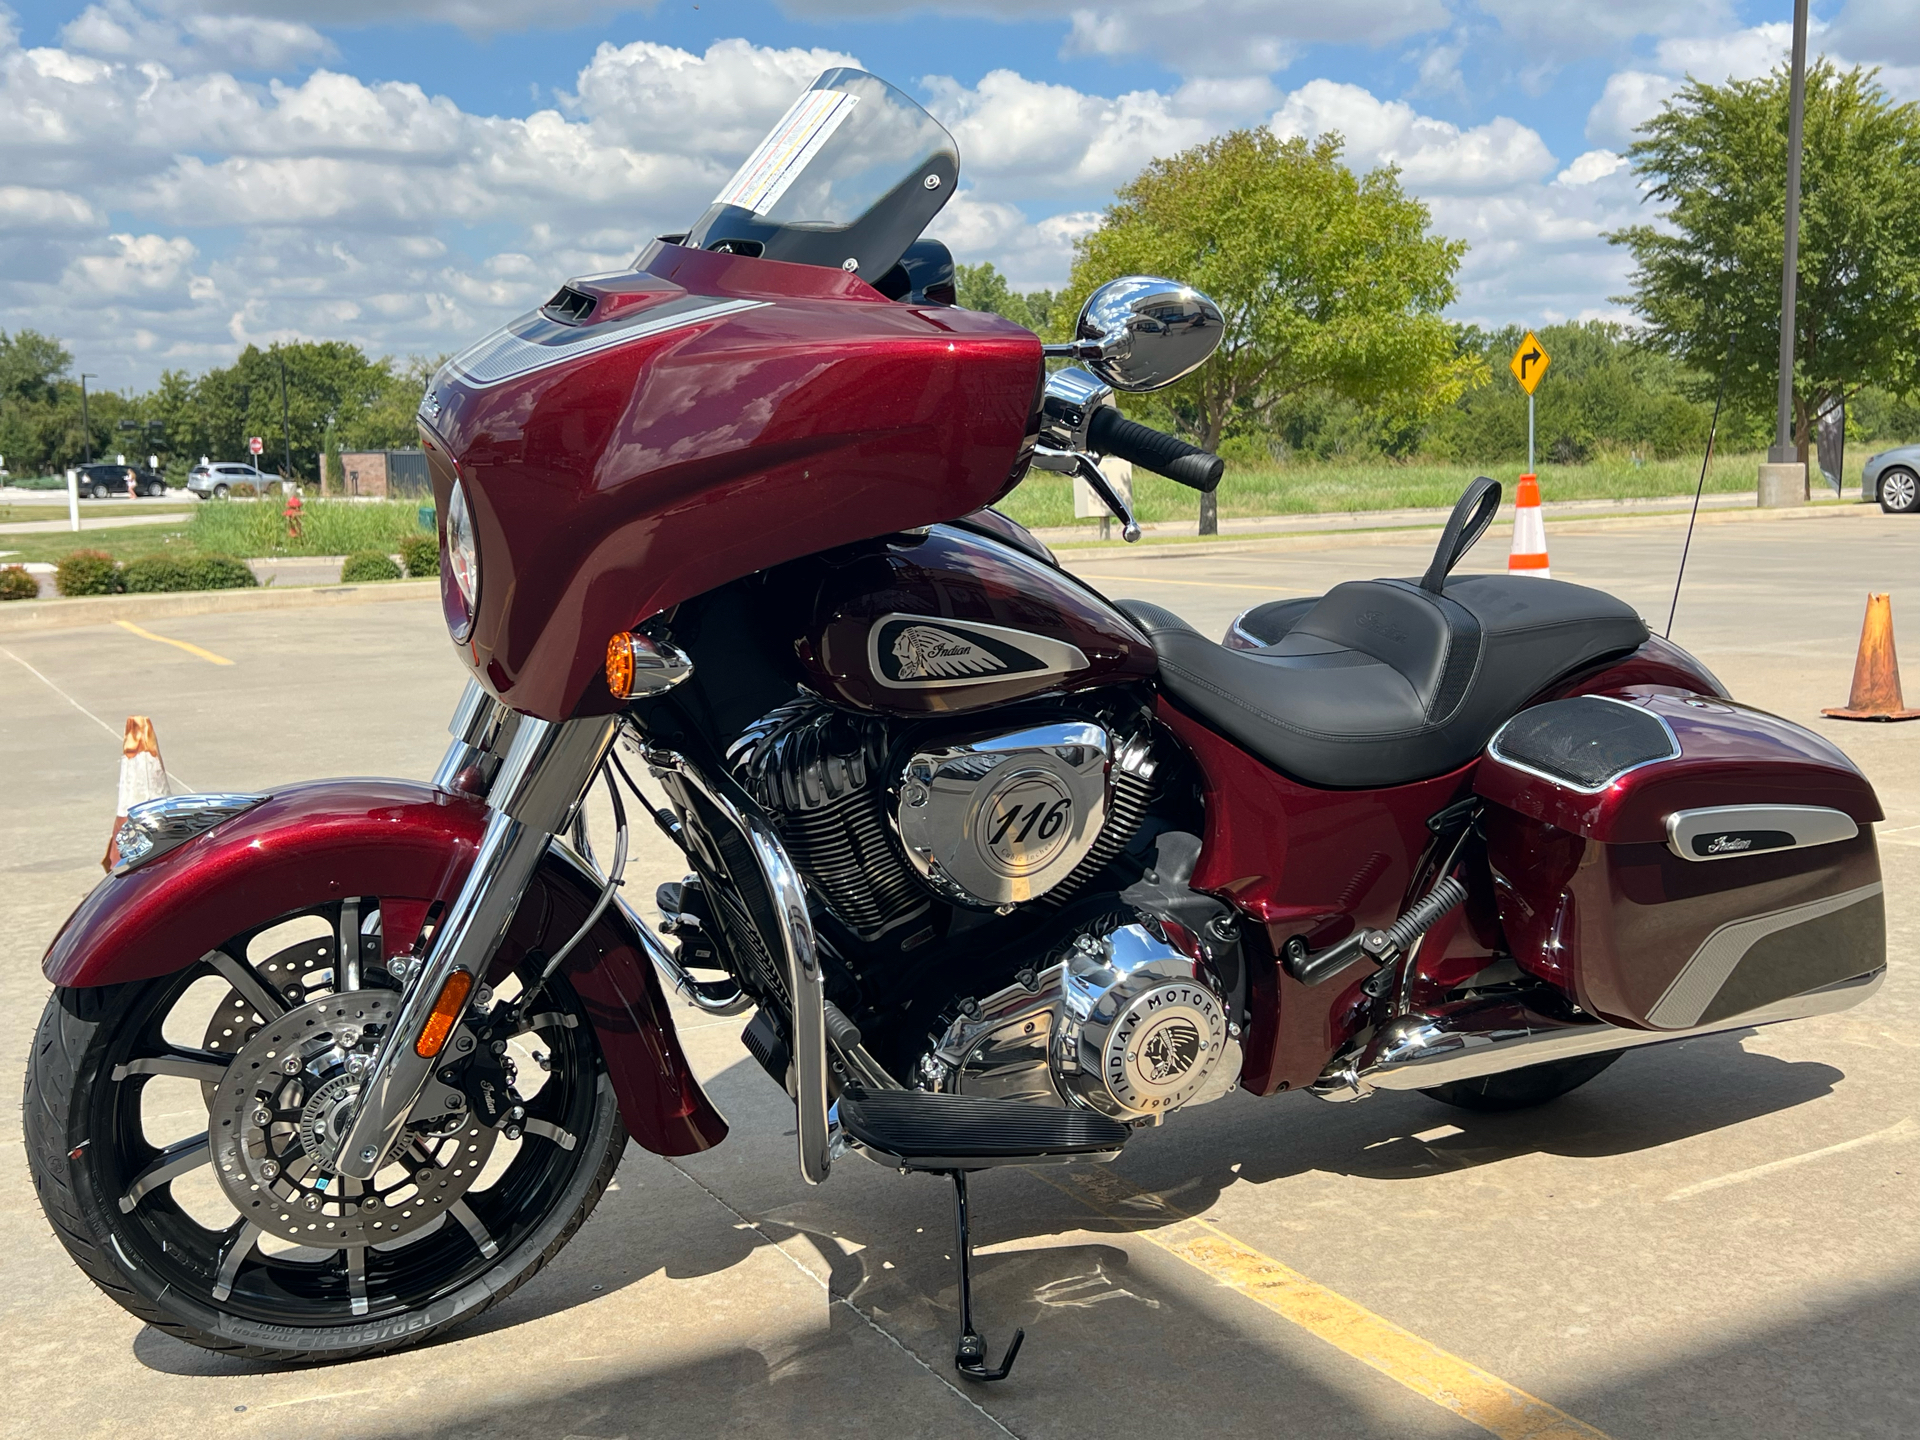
546 770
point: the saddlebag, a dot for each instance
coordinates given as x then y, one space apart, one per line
1672 860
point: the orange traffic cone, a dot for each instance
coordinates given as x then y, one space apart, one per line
1529 556
1876 672
142 777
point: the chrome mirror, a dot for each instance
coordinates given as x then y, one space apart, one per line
1141 332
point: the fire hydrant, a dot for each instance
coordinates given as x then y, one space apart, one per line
292 512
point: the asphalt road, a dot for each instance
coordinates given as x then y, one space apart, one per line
1714 1239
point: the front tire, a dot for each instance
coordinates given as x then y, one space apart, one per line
1899 492
1522 1089
143 1214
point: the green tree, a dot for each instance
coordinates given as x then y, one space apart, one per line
330 385
981 287
1330 282
1709 275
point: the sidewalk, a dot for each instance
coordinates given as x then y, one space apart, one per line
99 522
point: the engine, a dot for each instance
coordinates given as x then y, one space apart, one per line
952 854
1132 1022
982 820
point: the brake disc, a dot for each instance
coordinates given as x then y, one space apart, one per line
278 1114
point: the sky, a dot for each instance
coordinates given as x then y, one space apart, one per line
181 178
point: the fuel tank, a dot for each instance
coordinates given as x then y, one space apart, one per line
950 620
646 437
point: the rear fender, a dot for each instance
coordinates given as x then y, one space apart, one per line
409 844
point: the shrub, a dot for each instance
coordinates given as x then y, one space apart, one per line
244 491
219 572
87 572
366 565
17 584
151 574
421 555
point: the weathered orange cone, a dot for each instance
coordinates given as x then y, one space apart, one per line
1876 673
143 776
1529 555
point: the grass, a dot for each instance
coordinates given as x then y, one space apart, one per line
253 529
1045 499
245 529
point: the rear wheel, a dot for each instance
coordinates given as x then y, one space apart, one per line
1523 1089
178 1131
1899 492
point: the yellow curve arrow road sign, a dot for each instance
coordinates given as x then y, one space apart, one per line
1529 362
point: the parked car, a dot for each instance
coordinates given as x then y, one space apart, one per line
1893 478
216 480
105 482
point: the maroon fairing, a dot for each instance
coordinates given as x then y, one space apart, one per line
955 574
410 845
609 487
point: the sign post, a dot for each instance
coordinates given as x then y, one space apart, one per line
1529 363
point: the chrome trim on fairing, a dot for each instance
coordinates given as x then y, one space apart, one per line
1804 824
480 727
1673 750
1693 989
153 827
547 769
657 666
806 985
507 355
1471 1040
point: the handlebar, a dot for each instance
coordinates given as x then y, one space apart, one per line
1112 433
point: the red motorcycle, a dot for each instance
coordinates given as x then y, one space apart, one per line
1006 872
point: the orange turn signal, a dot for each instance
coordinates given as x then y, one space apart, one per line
446 1010
620 666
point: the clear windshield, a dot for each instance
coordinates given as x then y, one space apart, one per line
849 177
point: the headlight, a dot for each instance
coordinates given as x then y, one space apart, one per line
462 563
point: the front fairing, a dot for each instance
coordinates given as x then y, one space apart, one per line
715 415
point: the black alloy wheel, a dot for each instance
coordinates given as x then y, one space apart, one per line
177 1131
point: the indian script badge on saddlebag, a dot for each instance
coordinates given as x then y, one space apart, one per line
922 652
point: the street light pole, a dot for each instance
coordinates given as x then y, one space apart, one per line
286 430
86 425
1784 450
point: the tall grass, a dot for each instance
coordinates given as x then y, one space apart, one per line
256 528
1046 499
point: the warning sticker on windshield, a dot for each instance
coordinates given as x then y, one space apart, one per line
759 184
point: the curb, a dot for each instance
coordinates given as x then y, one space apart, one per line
1392 535
32 616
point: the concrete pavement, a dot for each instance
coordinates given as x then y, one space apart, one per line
1712 1239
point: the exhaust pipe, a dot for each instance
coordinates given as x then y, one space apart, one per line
1468 1039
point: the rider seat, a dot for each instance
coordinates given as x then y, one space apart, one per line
1382 682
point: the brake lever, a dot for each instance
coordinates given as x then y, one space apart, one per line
1083 465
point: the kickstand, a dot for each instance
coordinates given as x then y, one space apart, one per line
970 1359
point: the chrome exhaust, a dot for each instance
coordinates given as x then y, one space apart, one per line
1473 1038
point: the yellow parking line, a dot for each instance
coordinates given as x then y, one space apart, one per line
206 655
1448 1381
1203 584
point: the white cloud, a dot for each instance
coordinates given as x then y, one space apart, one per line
1564 30
1592 166
119 30
1433 155
1632 97
23 208
138 264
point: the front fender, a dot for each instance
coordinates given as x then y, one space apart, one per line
409 844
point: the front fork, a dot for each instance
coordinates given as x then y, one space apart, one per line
544 768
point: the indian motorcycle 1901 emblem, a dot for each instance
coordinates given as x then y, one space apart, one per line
922 652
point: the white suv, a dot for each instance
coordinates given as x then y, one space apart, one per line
214 481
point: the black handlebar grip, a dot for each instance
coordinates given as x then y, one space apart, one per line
1112 433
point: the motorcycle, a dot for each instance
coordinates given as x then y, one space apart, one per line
1005 872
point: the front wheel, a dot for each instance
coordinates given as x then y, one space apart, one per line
1523 1089
178 1129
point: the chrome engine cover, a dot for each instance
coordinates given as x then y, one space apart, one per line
999 819
1129 1025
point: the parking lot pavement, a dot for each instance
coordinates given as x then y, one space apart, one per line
1712 1239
